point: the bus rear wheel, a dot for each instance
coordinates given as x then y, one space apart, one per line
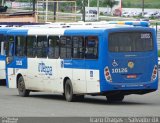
68 91
117 98
21 88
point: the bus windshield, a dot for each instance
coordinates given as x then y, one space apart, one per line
130 42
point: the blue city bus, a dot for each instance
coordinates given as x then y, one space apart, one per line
113 61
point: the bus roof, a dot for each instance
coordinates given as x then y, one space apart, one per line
5 29
60 30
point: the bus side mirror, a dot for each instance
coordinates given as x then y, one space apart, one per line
9 59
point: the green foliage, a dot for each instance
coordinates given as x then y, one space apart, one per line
111 3
101 13
93 3
138 3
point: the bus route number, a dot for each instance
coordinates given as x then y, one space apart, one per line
120 70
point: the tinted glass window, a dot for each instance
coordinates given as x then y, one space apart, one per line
91 47
1 40
20 46
130 42
78 47
42 46
53 50
31 46
9 46
65 47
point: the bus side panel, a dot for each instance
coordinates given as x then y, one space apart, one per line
79 76
19 65
103 62
92 79
11 78
86 74
2 67
54 82
46 75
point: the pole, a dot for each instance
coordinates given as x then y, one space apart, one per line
46 19
142 8
97 10
75 4
88 3
156 29
2 2
34 6
55 8
83 11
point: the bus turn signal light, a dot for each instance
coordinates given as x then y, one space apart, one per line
154 73
107 74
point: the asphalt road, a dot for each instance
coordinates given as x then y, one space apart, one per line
49 105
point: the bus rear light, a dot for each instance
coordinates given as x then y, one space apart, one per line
106 69
154 73
107 74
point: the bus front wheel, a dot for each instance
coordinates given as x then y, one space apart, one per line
21 87
68 92
117 98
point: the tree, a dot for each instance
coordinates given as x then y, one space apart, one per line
111 3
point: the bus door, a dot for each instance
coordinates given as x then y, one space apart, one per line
43 69
32 70
53 64
2 59
9 51
78 64
91 60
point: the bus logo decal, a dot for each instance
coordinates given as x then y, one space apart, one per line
42 68
130 65
114 63
19 63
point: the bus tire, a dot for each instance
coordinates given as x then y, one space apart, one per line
68 91
21 88
117 98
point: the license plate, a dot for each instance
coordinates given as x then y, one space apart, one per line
131 76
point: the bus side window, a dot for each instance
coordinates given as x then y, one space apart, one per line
65 47
53 50
42 46
31 46
78 47
1 46
6 48
10 46
91 47
20 46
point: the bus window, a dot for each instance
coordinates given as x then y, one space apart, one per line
78 47
31 46
20 46
65 47
130 42
91 47
42 45
9 49
53 47
1 46
10 46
